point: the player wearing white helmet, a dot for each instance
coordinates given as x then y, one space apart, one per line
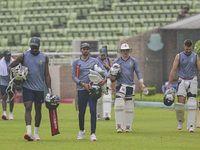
188 66
123 71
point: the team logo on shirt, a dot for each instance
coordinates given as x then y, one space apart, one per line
192 59
90 65
40 61
130 63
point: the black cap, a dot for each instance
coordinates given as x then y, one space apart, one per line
102 51
85 45
6 52
35 41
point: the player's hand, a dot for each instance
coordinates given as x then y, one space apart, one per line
168 87
86 86
102 82
142 86
106 65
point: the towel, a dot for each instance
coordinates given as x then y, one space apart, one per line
3 66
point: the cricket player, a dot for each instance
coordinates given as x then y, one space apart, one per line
33 87
123 71
5 79
85 63
104 103
188 66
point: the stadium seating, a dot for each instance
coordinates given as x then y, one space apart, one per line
58 22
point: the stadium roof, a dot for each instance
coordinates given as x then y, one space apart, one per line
192 22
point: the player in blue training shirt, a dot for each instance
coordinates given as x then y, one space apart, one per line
123 71
85 63
188 66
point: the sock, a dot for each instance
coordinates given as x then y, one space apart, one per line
10 113
28 127
36 130
4 112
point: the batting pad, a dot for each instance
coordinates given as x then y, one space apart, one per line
191 112
180 110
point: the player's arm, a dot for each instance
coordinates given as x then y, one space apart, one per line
102 82
47 75
18 60
198 66
173 70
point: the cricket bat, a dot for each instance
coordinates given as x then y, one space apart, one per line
54 122
198 116
76 101
140 93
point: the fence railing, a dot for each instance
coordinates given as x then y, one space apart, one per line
67 58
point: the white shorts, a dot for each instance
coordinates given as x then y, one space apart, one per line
187 87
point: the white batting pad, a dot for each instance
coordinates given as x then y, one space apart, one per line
119 112
180 110
191 112
129 114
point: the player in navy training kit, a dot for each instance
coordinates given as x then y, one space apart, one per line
85 63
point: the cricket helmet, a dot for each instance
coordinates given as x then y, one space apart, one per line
95 91
169 97
54 102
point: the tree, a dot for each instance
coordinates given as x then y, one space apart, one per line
197 47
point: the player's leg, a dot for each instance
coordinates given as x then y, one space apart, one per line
119 113
93 106
180 111
129 108
4 103
180 106
11 103
107 105
100 108
191 113
119 107
191 105
83 97
28 98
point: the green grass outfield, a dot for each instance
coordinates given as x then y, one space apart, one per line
153 128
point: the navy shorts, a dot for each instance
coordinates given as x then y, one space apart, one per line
3 91
34 96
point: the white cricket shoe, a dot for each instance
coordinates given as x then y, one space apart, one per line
36 137
93 137
179 125
191 130
119 130
80 135
28 136
11 116
99 117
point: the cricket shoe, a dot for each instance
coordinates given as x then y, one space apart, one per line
80 135
28 137
11 117
4 117
93 137
127 130
98 117
36 137
191 130
119 130
107 118
179 125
